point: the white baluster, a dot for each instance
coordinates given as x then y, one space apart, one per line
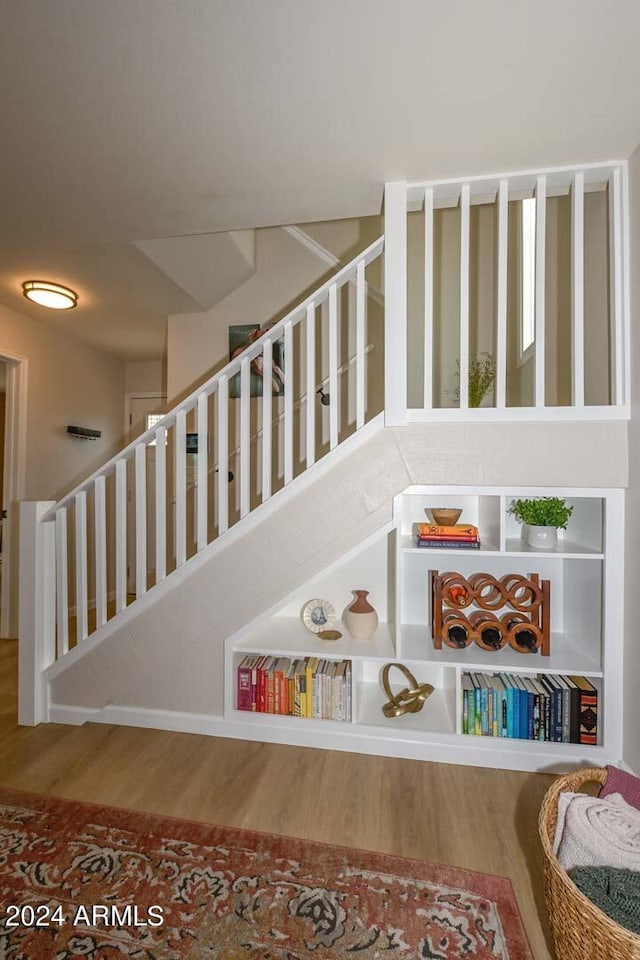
288 402
141 519
616 263
577 290
267 371
465 194
428 298
181 487
501 335
361 342
62 583
203 473
311 383
81 564
100 538
223 454
395 295
541 225
245 436
121 534
333 366
161 504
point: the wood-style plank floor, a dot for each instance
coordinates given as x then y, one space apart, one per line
468 817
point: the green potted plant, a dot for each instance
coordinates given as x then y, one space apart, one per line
543 516
482 375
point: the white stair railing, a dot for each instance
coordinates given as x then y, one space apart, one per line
465 294
150 502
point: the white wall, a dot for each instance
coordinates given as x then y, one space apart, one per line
631 726
198 343
145 376
68 383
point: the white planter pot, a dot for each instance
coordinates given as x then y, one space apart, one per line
542 538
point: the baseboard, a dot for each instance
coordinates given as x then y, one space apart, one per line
310 733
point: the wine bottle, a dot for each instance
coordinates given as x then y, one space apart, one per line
524 637
457 634
491 637
489 630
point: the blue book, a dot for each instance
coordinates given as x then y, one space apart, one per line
510 706
501 705
523 698
516 708
484 693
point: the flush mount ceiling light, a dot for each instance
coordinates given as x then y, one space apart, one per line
51 295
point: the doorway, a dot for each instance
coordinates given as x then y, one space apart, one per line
13 426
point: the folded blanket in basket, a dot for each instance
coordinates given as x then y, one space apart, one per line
619 781
615 892
594 832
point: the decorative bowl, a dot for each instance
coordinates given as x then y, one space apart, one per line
445 516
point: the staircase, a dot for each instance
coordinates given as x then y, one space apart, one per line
284 450
237 443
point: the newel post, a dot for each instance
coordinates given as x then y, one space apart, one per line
395 303
37 610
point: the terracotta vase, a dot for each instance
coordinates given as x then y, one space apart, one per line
360 618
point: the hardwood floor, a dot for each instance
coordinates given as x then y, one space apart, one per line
463 816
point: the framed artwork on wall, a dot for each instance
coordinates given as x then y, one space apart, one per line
241 337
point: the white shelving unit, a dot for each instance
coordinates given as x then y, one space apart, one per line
585 572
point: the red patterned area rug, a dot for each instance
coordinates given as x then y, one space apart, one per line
98 883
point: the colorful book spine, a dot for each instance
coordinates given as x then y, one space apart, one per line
447 544
244 683
434 530
545 708
295 687
587 711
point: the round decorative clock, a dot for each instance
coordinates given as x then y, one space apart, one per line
318 615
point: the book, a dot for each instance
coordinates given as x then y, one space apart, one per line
484 704
435 530
523 708
448 544
566 707
243 679
477 706
468 705
574 711
500 708
587 710
310 668
551 709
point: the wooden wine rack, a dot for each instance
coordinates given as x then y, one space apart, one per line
484 597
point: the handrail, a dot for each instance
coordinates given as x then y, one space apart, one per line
231 369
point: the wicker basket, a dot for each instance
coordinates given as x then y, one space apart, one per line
580 930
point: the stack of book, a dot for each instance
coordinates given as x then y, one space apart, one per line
463 536
304 687
558 709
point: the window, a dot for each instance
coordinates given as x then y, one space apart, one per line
152 420
528 276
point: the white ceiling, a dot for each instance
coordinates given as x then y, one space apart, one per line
129 120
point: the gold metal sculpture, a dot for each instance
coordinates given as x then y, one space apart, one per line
409 700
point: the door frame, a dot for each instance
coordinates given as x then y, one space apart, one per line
14 473
137 395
